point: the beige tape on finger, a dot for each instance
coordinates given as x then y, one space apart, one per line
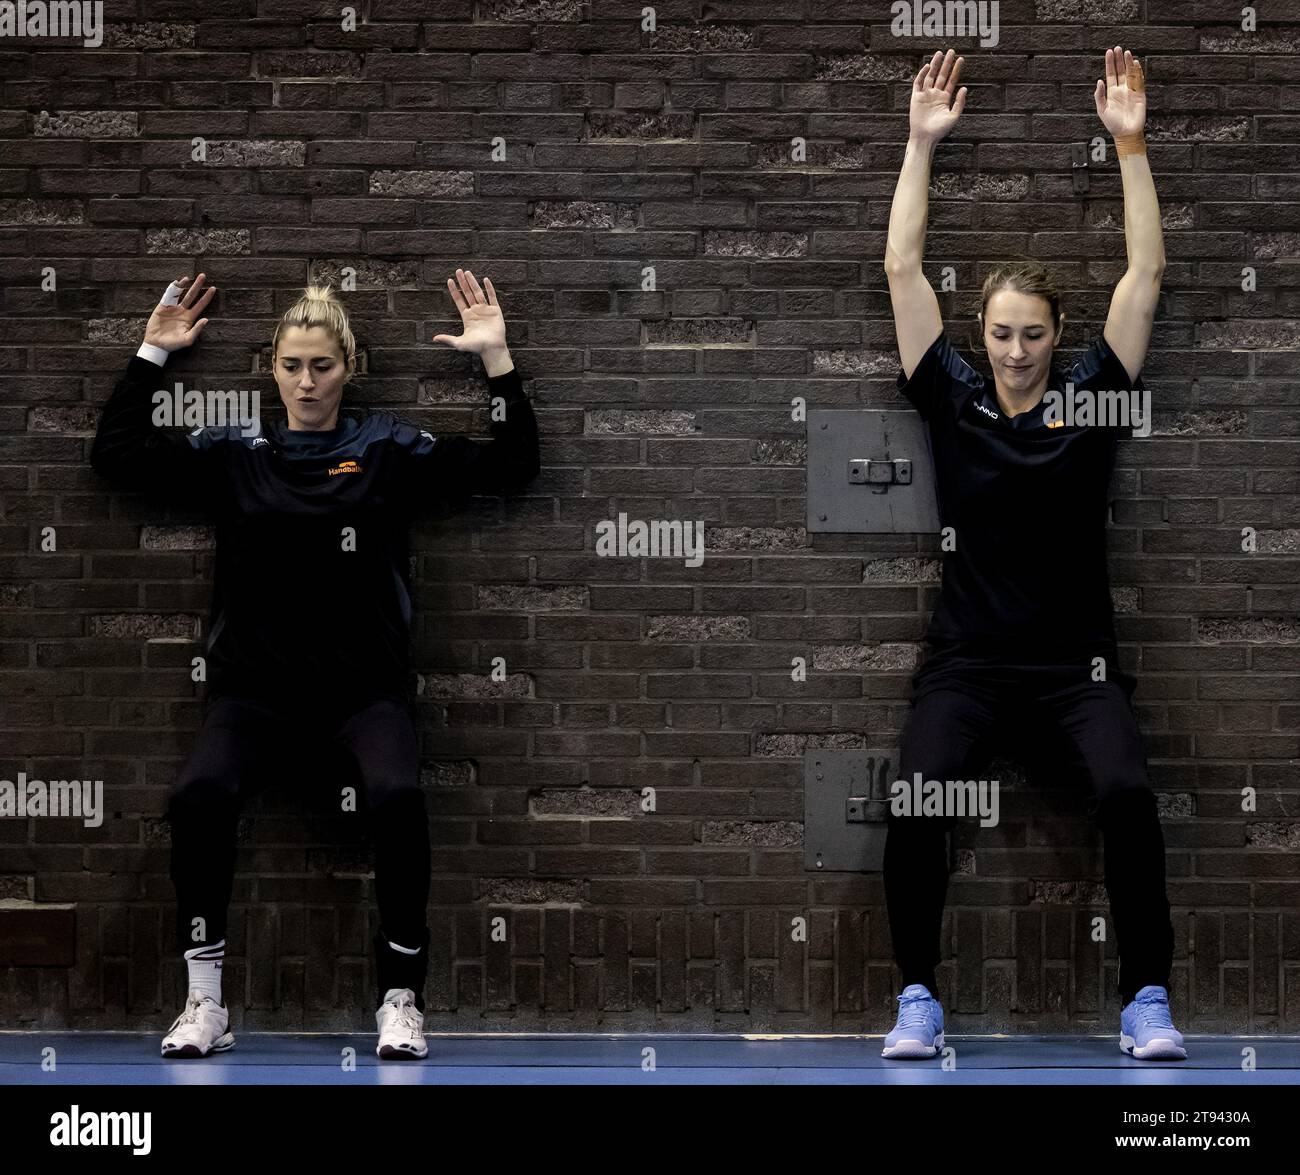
1134 77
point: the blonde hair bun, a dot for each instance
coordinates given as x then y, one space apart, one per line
319 306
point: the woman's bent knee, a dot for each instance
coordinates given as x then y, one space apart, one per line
202 793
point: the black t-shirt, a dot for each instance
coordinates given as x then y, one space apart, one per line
1027 503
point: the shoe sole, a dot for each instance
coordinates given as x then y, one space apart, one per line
392 1052
220 1045
1159 1049
905 1049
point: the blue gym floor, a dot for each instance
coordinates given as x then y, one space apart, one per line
264 1058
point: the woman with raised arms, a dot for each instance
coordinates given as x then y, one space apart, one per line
308 640
1022 638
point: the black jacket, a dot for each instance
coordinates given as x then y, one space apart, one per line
312 587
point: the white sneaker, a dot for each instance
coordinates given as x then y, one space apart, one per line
201 1029
401 1026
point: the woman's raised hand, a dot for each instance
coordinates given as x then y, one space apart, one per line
930 115
1121 97
485 325
175 321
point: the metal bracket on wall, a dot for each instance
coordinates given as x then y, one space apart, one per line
1079 165
888 454
880 474
845 794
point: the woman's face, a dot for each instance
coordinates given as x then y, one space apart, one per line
1019 336
310 372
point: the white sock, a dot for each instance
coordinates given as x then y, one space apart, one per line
204 964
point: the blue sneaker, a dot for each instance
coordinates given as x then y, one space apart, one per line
1145 1029
919 1031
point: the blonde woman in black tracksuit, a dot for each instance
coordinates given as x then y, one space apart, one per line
308 639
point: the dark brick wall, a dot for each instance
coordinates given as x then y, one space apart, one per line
373 149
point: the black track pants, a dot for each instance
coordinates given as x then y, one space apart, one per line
956 713
243 741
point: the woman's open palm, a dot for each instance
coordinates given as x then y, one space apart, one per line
485 325
178 325
1121 97
930 116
